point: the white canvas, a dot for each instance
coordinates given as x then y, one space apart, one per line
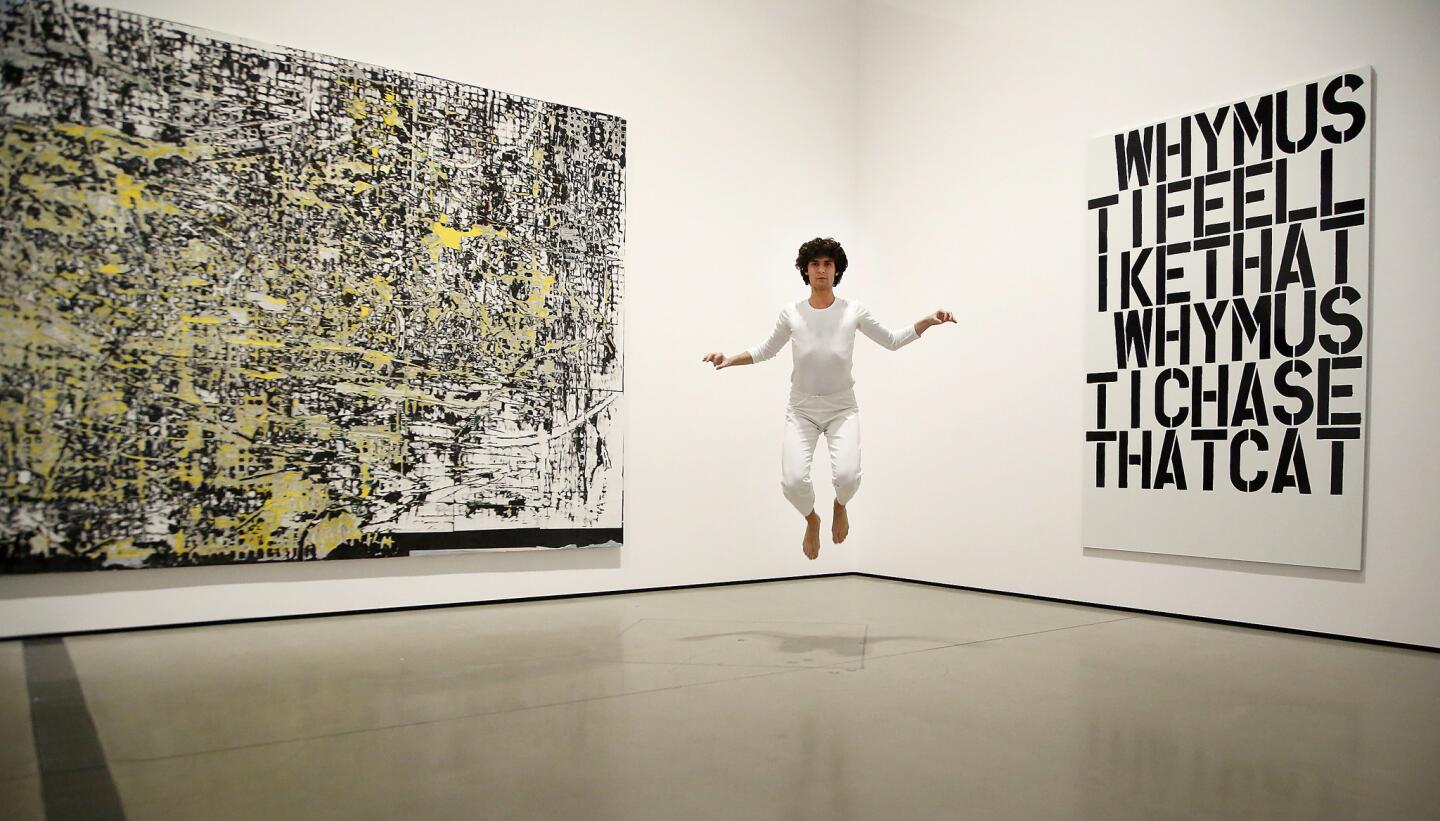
1254 284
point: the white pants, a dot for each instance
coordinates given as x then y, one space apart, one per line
806 417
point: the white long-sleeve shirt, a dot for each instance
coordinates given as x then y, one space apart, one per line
824 343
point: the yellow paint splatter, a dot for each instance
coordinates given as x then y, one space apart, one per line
331 346
189 473
127 191
139 146
50 155
377 359
333 532
259 343
110 406
382 289
443 236
353 166
130 193
123 549
268 302
305 199
194 438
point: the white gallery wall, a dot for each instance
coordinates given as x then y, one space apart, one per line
975 118
734 155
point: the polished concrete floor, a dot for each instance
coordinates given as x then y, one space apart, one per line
833 698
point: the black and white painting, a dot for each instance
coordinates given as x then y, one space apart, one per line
1227 273
262 304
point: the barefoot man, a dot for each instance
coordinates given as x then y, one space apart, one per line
822 395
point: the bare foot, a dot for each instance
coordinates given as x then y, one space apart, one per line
812 536
840 527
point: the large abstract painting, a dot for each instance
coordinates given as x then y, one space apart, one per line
1227 316
262 304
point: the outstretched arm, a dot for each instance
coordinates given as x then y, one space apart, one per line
720 360
940 317
893 339
759 353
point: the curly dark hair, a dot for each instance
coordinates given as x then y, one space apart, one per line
821 247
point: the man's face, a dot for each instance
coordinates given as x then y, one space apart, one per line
821 271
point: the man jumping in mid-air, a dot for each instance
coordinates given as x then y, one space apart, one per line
822 395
